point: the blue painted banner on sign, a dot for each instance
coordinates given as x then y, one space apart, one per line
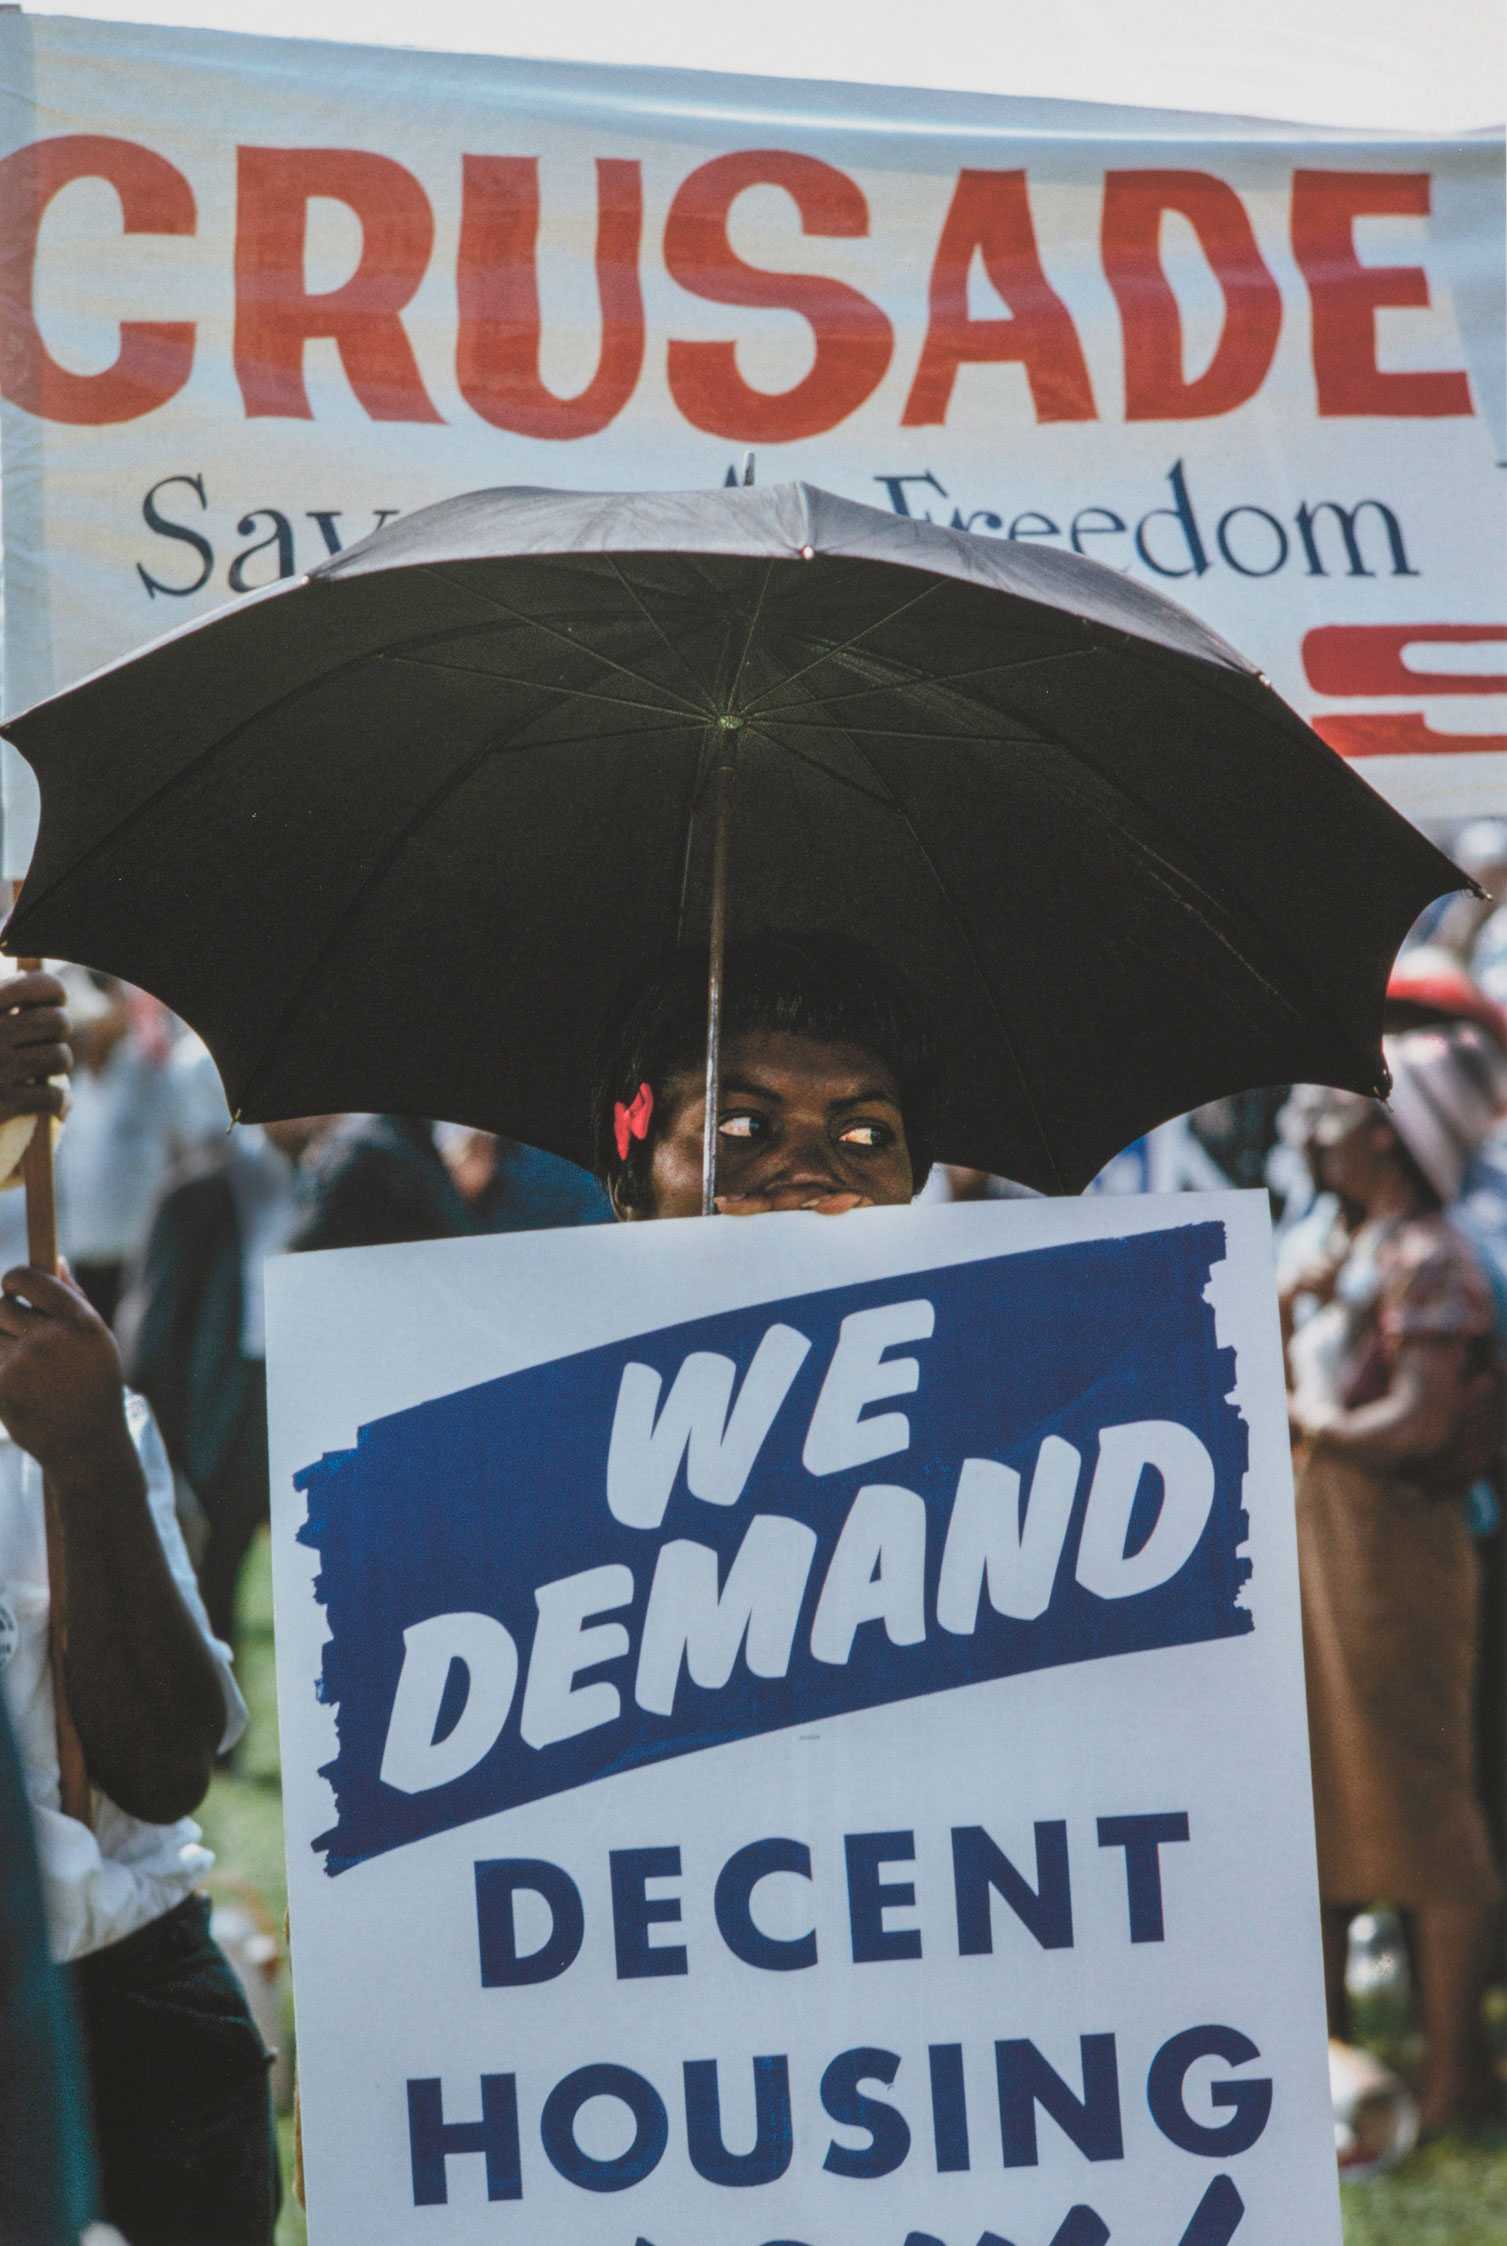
775 1515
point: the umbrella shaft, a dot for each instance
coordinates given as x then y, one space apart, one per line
722 779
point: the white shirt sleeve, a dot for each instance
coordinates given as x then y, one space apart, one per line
198 1104
159 1479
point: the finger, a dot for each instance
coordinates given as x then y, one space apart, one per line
35 988
33 1099
754 1204
33 1064
37 1025
839 1204
15 1319
48 1295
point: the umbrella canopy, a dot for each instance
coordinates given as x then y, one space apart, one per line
391 836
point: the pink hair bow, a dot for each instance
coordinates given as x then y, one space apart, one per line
630 1119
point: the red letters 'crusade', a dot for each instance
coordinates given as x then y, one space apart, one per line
852 336
1156 388
497 348
277 314
498 338
156 356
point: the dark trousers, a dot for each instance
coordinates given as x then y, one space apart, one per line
234 1502
102 1283
178 2075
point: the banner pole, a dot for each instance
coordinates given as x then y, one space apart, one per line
42 1252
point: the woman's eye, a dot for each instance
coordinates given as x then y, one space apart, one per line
742 1124
866 1134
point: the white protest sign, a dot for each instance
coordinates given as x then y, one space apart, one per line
257 296
793 1732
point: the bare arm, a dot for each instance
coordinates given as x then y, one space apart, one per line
144 1687
1420 1411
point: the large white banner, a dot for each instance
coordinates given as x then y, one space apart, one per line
793 1734
260 295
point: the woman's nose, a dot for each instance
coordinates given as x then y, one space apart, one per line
805 1156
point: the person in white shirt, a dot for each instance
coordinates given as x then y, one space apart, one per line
178 2071
138 1101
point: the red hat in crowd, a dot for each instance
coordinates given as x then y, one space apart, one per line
1429 988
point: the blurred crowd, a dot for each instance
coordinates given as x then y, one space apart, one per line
1391 1228
1392 1285
167 1214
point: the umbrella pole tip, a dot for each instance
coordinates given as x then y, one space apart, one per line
748 469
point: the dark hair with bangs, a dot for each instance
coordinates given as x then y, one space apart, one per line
812 984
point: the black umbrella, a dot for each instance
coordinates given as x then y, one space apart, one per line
391 836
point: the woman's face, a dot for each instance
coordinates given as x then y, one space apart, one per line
802 1125
1349 1138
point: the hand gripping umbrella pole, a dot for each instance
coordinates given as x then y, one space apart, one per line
42 1252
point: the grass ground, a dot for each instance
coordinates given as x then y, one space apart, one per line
1446 2195
1450 2194
243 1819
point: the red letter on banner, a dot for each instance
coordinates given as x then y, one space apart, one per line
852 336
1155 386
991 214
1370 658
1399 733
497 353
155 356
275 315
1365 659
1348 295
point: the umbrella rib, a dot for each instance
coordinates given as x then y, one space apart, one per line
1196 898
784 748
184 773
839 647
898 733
1191 892
1189 898
748 637
544 686
910 682
903 813
688 840
386 858
652 620
838 779
577 647
1179 884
